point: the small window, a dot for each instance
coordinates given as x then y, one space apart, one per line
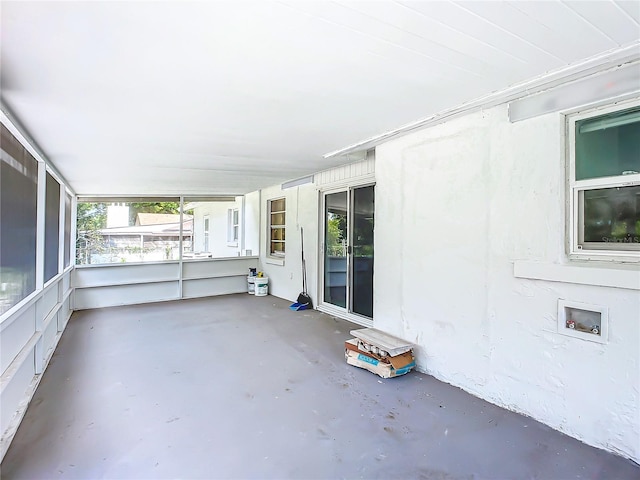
233 226
277 227
605 183
205 234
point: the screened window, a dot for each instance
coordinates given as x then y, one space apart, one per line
51 228
130 230
67 230
277 215
605 181
18 214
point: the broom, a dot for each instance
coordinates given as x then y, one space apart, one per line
304 298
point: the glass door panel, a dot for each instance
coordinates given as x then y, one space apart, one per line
362 251
335 251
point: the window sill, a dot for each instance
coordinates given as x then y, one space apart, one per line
617 276
274 261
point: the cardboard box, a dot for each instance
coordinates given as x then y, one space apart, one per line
387 367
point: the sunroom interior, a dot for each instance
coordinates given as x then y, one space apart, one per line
159 151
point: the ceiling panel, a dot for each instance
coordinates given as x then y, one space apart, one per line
631 8
421 25
609 18
228 97
531 56
568 29
544 36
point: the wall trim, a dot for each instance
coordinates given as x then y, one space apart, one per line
615 276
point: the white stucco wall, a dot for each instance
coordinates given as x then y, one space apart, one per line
285 274
456 206
217 212
252 223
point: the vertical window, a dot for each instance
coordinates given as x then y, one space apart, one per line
18 216
605 182
51 228
277 227
67 230
206 233
233 226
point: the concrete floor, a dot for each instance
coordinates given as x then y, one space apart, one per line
241 387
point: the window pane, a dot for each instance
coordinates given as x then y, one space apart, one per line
277 248
278 205
277 234
335 251
277 218
608 145
18 201
113 231
51 228
612 215
67 230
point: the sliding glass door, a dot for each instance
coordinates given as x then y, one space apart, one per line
348 250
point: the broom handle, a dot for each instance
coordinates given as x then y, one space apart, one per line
304 267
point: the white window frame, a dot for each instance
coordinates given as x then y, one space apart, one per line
576 187
206 227
233 227
270 227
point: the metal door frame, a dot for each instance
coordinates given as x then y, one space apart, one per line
342 312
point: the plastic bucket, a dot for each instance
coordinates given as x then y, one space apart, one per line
251 286
261 286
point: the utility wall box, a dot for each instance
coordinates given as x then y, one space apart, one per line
582 320
384 367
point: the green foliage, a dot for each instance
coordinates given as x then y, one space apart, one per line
91 216
334 231
336 228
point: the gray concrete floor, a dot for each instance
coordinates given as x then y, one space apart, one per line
241 387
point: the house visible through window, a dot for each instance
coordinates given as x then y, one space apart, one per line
120 230
277 227
605 182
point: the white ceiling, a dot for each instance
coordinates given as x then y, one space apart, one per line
231 96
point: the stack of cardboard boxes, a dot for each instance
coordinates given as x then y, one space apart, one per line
379 352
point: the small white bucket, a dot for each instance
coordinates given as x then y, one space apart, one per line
251 286
261 286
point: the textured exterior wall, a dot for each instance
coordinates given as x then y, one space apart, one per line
218 231
285 274
456 206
